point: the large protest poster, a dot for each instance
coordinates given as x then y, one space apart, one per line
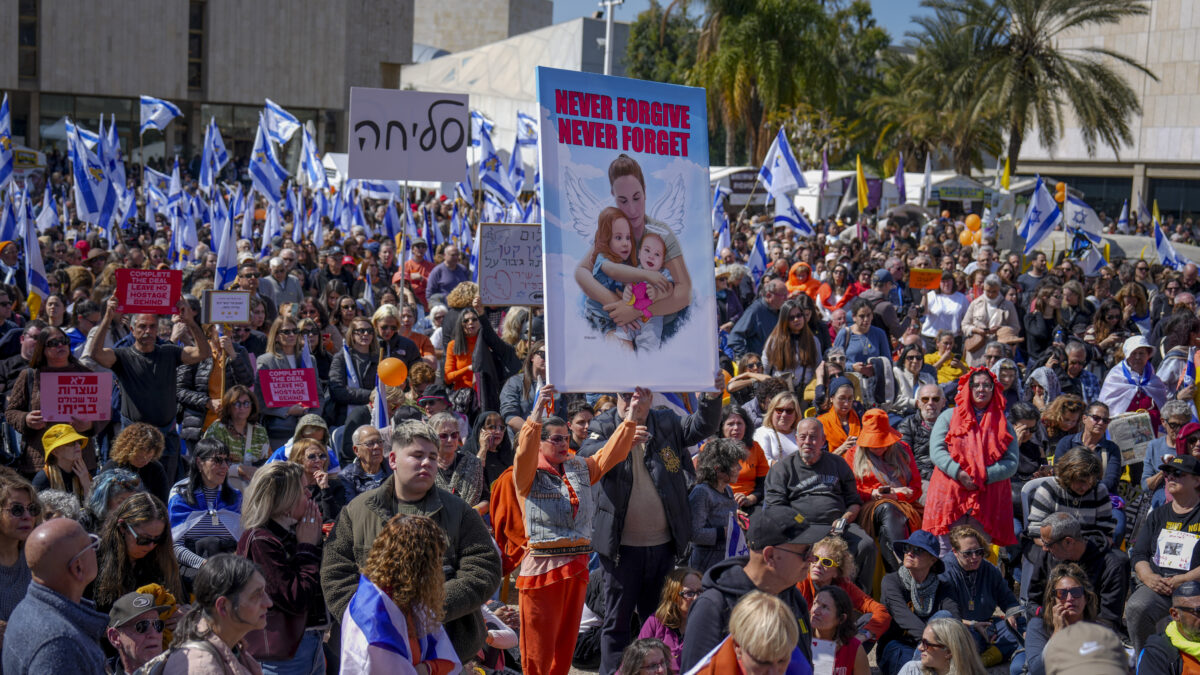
81 396
627 239
148 291
289 386
510 264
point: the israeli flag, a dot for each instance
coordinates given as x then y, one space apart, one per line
90 138
110 151
780 172
48 218
493 210
90 183
475 257
492 177
758 259
267 175
1041 218
1123 219
720 219
157 113
786 214
280 123
156 184
306 357
351 373
1082 219
516 169
273 228
379 189
1166 252
35 272
368 292
375 637
391 222
310 164
527 129
8 220
226 272
6 144
465 188
480 125
214 156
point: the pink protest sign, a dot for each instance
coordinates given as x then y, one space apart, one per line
148 291
292 386
83 396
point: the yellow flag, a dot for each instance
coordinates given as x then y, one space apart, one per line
1155 215
1004 178
861 184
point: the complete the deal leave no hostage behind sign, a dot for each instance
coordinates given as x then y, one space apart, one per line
148 291
290 386
407 135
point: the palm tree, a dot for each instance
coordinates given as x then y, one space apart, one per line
1034 79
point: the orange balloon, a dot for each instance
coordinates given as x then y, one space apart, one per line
946 215
965 237
393 372
976 237
973 222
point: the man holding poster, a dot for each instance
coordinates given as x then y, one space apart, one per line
147 373
627 238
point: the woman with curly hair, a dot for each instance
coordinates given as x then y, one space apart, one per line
1061 416
137 449
680 589
404 574
711 500
135 551
833 565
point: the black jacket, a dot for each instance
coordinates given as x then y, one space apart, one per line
191 389
669 465
906 625
1107 570
708 620
341 391
1159 657
916 434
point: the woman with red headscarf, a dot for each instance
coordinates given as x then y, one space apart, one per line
974 451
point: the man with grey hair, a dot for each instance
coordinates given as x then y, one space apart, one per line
749 334
915 428
985 259
279 286
1062 542
471 562
368 470
1076 378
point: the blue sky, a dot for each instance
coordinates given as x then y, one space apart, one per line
894 15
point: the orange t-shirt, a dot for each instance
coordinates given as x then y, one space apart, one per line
755 466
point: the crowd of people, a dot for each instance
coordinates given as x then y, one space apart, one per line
923 479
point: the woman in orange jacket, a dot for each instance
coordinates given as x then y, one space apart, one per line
461 350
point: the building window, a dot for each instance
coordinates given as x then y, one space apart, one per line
195 72
27 39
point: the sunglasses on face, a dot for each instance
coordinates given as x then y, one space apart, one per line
310 332
19 510
288 331
1063 593
785 411
973 553
313 458
57 342
143 540
1100 419
241 404
144 625
389 328
915 551
557 439
1194 611
362 331
449 436
249 276
219 461
926 644
828 563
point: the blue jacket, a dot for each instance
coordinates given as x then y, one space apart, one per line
979 595
749 334
47 633
670 468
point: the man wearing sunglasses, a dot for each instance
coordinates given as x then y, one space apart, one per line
1172 651
53 629
134 631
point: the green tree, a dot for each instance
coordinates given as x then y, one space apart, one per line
1035 80
662 46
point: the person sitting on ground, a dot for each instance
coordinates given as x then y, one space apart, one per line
647 655
833 565
1175 650
914 595
1076 488
368 471
945 649
979 589
135 632
1107 569
833 620
1069 599
762 631
888 482
680 591
780 542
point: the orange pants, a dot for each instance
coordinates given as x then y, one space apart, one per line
550 625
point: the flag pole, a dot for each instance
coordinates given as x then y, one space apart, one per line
749 198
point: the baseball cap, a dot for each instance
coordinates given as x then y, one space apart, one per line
58 436
1085 649
775 525
347 260
882 276
130 606
419 242
1181 463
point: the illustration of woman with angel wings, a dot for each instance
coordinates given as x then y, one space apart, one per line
657 289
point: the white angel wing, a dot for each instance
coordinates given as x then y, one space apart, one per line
670 207
582 206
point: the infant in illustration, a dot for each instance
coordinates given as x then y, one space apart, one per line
630 274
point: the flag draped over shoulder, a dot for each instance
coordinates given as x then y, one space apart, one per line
375 637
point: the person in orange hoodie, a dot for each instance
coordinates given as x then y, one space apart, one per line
461 350
800 280
554 490
762 640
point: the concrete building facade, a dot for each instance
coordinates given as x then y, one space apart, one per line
1163 163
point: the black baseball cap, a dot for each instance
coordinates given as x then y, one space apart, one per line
775 525
1183 464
